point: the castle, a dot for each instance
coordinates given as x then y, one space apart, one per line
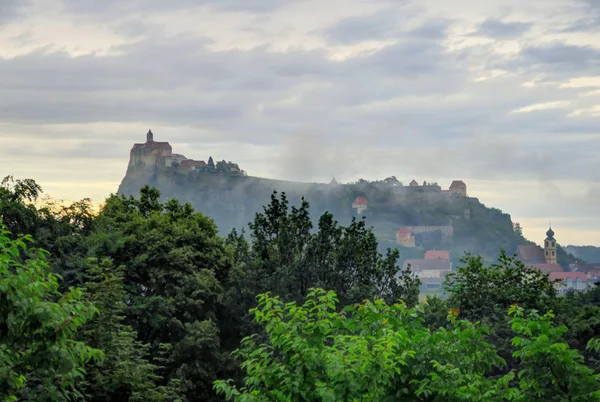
159 155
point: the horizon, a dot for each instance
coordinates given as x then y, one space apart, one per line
504 95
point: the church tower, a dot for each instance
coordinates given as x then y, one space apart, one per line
150 136
550 247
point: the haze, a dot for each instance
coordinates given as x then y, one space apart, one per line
503 94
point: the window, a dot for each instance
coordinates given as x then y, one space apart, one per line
546 252
547 244
553 243
553 253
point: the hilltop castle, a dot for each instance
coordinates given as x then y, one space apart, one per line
159 155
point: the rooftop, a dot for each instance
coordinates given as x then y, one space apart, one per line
547 268
436 264
435 254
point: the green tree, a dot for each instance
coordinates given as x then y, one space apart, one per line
551 370
485 293
175 268
287 258
367 352
480 291
124 374
375 352
40 357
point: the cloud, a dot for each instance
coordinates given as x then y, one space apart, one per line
93 7
502 30
10 10
379 26
295 90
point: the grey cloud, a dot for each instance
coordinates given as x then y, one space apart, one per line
12 9
502 30
591 20
263 97
96 8
380 26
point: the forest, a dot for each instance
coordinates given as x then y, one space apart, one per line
145 300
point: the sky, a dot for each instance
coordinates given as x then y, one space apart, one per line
502 94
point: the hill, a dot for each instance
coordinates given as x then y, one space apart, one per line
589 254
229 196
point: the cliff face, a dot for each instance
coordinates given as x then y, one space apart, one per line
232 201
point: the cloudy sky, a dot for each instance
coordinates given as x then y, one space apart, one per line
503 94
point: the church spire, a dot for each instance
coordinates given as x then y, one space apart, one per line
550 247
150 136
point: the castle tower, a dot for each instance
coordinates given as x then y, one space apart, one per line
550 247
149 136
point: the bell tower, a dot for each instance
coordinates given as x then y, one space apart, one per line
150 136
550 247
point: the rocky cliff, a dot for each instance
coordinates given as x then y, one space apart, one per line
232 201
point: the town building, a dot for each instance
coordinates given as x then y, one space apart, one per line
360 204
431 272
570 281
437 254
405 238
545 259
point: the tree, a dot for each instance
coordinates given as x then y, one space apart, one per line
40 357
375 352
485 293
553 371
479 291
518 228
175 268
367 352
124 374
287 257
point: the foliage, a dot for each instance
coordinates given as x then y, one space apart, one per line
479 291
40 357
124 374
175 268
367 352
551 371
377 352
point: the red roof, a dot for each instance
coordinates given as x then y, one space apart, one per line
153 145
361 201
531 254
192 163
435 254
158 152
439 264
403 231
547 268
565 275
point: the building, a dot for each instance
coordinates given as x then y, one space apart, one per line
360 204
550 247
413 183
333 182
570 281
437 254
431 272
194 165
458 187
547 268
405 238
447 231
159 155
148 154
533 254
